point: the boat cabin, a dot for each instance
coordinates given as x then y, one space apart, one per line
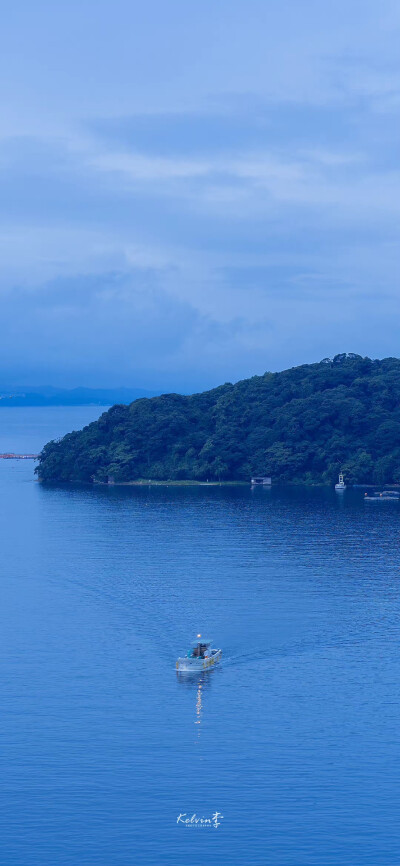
201 649
261 479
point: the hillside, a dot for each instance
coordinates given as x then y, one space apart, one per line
303 424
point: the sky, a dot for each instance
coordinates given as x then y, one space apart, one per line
193 193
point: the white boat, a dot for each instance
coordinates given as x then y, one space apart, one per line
341 485
200 657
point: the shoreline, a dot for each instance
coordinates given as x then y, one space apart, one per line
141 482
183 483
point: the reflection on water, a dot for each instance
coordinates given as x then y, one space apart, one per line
199 705
198 683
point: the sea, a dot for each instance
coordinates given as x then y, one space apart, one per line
286 754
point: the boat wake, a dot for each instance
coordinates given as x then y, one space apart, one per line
304 648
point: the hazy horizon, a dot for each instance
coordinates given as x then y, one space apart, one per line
45 386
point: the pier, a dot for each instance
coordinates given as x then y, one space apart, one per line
19 456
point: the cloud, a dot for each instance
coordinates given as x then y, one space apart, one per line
199 194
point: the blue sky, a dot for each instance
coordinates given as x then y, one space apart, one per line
193 193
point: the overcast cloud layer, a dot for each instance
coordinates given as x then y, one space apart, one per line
193 193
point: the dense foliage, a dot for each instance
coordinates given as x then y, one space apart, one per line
304 424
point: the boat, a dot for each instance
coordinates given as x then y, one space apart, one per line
200 657
385 496
340 485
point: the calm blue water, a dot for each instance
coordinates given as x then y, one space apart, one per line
294 739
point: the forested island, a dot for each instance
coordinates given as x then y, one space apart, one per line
300 425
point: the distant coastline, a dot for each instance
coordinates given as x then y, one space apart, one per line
46 396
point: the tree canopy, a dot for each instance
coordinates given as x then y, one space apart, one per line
304 424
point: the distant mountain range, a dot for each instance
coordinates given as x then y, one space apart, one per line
48 396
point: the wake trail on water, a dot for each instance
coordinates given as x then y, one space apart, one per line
255 655
169 649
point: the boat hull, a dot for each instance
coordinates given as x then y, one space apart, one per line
194 665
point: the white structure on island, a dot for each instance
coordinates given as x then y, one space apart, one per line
341 485
261 479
